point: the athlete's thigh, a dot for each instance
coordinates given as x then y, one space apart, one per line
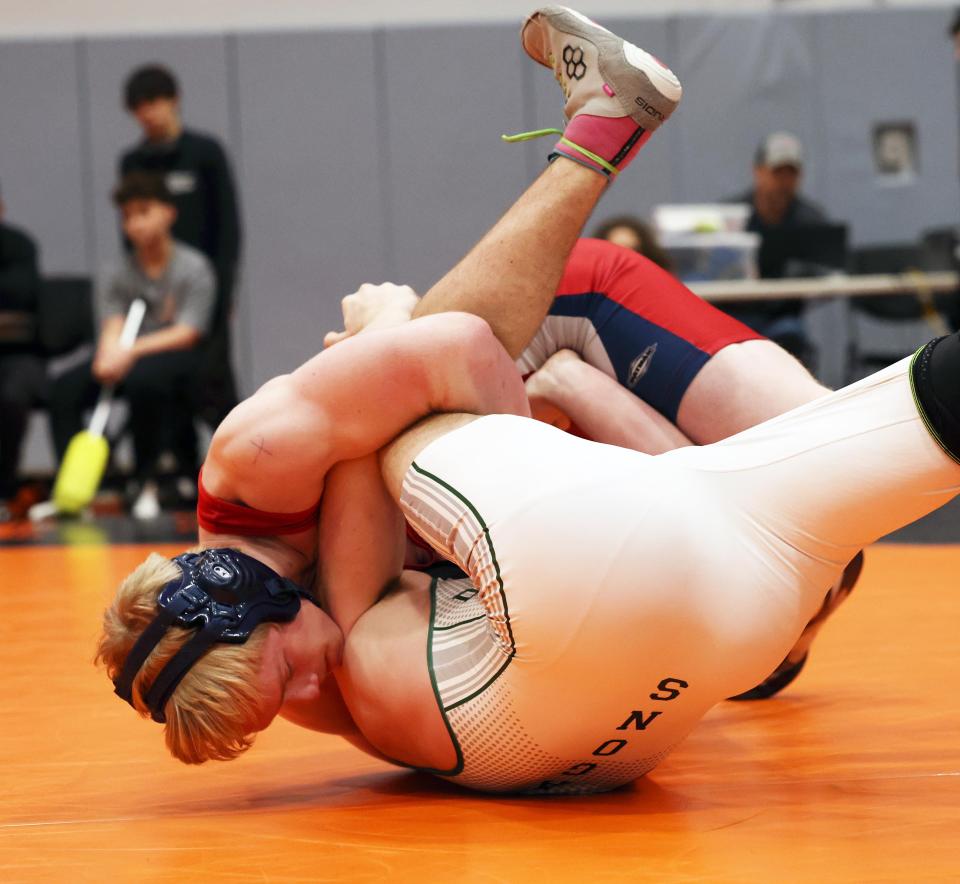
635 322
825 479
741 386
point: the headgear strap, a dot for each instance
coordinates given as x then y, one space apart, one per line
222 593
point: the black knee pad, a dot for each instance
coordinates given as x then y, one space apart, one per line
935 379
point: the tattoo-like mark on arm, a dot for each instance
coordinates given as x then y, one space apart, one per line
261 448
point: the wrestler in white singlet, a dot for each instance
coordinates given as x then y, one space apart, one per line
615 597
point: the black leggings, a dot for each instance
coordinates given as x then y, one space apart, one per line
160 391
22 382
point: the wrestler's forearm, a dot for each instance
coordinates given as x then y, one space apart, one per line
511 276
360 543
393 378
603 409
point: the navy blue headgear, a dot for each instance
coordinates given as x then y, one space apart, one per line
224 595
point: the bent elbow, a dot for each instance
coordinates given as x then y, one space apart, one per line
471 333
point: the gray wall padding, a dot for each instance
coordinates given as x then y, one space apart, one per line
890 66
314 193
43 174
371 154
450 93
743 78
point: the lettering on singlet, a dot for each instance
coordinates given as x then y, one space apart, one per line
667 690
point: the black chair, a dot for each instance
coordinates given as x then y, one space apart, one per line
885 328
65 320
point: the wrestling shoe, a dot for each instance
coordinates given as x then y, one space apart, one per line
794 662
616 94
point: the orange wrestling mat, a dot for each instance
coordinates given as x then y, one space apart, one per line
854 775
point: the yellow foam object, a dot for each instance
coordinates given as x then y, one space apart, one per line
80 473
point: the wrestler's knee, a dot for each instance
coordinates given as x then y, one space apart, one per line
935 378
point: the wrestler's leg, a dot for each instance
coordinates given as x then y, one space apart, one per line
828 478
510 276
397 457
702 370
615 99
741 386
600 407
608 413
714 377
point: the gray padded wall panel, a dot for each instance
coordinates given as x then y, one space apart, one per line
313 139
451 93
41 155
650 179
200 64
744 76
889 66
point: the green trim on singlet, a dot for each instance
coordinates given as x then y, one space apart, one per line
461 623
923 415
480 690
493 552
458 768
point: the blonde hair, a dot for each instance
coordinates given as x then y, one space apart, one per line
210 713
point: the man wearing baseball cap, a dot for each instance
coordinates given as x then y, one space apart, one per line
777 208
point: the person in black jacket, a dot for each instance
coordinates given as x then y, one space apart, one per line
778 213
197 174
22 375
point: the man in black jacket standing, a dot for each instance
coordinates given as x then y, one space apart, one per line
197 174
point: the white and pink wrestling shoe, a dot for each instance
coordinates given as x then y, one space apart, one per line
617 94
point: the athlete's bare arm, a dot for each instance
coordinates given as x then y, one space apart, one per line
361 541
600 406
510 277
274 450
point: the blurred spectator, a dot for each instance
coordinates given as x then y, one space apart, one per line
159 373
198 176
632 233
954 31
777 210
22 374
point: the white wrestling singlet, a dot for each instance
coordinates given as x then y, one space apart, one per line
614 597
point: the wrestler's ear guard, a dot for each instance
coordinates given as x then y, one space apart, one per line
224 595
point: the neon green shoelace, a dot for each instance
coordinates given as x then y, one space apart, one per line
540 133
